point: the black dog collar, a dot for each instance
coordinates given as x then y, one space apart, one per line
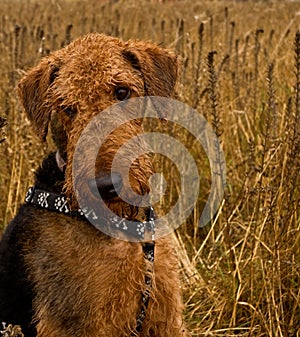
58 203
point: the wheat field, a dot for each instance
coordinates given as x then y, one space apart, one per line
240 69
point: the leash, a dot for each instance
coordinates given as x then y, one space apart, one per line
139 230
148 250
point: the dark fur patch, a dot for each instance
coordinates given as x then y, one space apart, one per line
15 289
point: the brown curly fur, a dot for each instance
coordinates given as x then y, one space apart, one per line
84 282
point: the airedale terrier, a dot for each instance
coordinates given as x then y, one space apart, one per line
61 276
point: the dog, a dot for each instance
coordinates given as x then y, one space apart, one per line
60 275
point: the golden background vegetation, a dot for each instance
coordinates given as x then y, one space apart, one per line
241 71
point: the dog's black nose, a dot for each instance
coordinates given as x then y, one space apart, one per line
108 185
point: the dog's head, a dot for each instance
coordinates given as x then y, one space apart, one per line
67 89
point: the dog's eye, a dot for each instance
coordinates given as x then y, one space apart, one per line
69 111
122 93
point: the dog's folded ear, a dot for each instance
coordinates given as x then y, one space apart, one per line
33 90
158 66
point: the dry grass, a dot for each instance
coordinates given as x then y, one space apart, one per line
241 70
